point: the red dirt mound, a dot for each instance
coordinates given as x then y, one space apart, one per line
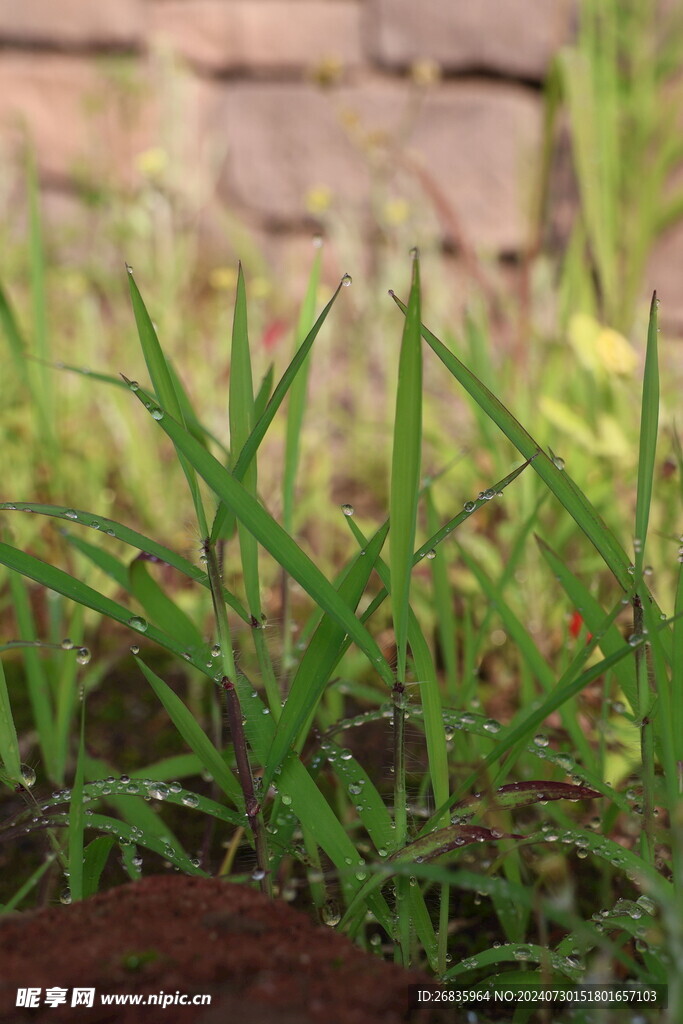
260 961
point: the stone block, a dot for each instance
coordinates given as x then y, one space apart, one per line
470 146
259 35
509 37
68 23
89 120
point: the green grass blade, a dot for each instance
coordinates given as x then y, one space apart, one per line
95 856
112 566
194 735
162 382
363 794
320 658
241 416
38 687
275 540
9 744
15 340
677 667
649 422
405 469
63 583
263 394
551 471
594 616
443 606
160 608
262 424
111 528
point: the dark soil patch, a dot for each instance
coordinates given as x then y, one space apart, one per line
260 961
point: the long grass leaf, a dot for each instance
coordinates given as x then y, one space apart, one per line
9 744
194 735
275 540
268 415
551 471
649 422
405 468
320 658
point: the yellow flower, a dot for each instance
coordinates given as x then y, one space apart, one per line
223 278
396 211
319 199
327 71
152 162
601 350
425 72
615 353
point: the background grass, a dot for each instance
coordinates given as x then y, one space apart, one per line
533 563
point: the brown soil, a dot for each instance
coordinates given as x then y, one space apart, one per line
260 961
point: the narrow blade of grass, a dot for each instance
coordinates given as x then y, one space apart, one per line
264 421
162 382
160 608
551 471
9 744
594 616
194 735
649 422
274 539
111 528
405 469
320 658
39 691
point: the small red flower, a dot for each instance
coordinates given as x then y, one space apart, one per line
273 333
575 624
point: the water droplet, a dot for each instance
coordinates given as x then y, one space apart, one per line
136 622
331 914
67 644
258 874
558 462
491 725
65 896
134 649
71 514
540 740
83 656
134 386
157 413
129 269
431 553
348 510
215 651
28 775
521 953
347 280
634 639
470 506
414 253
317 241
286 799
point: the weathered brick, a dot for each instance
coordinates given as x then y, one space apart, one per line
259 34
475 143
511 37
88 119
64 23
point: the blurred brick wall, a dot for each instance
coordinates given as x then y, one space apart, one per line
282 105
